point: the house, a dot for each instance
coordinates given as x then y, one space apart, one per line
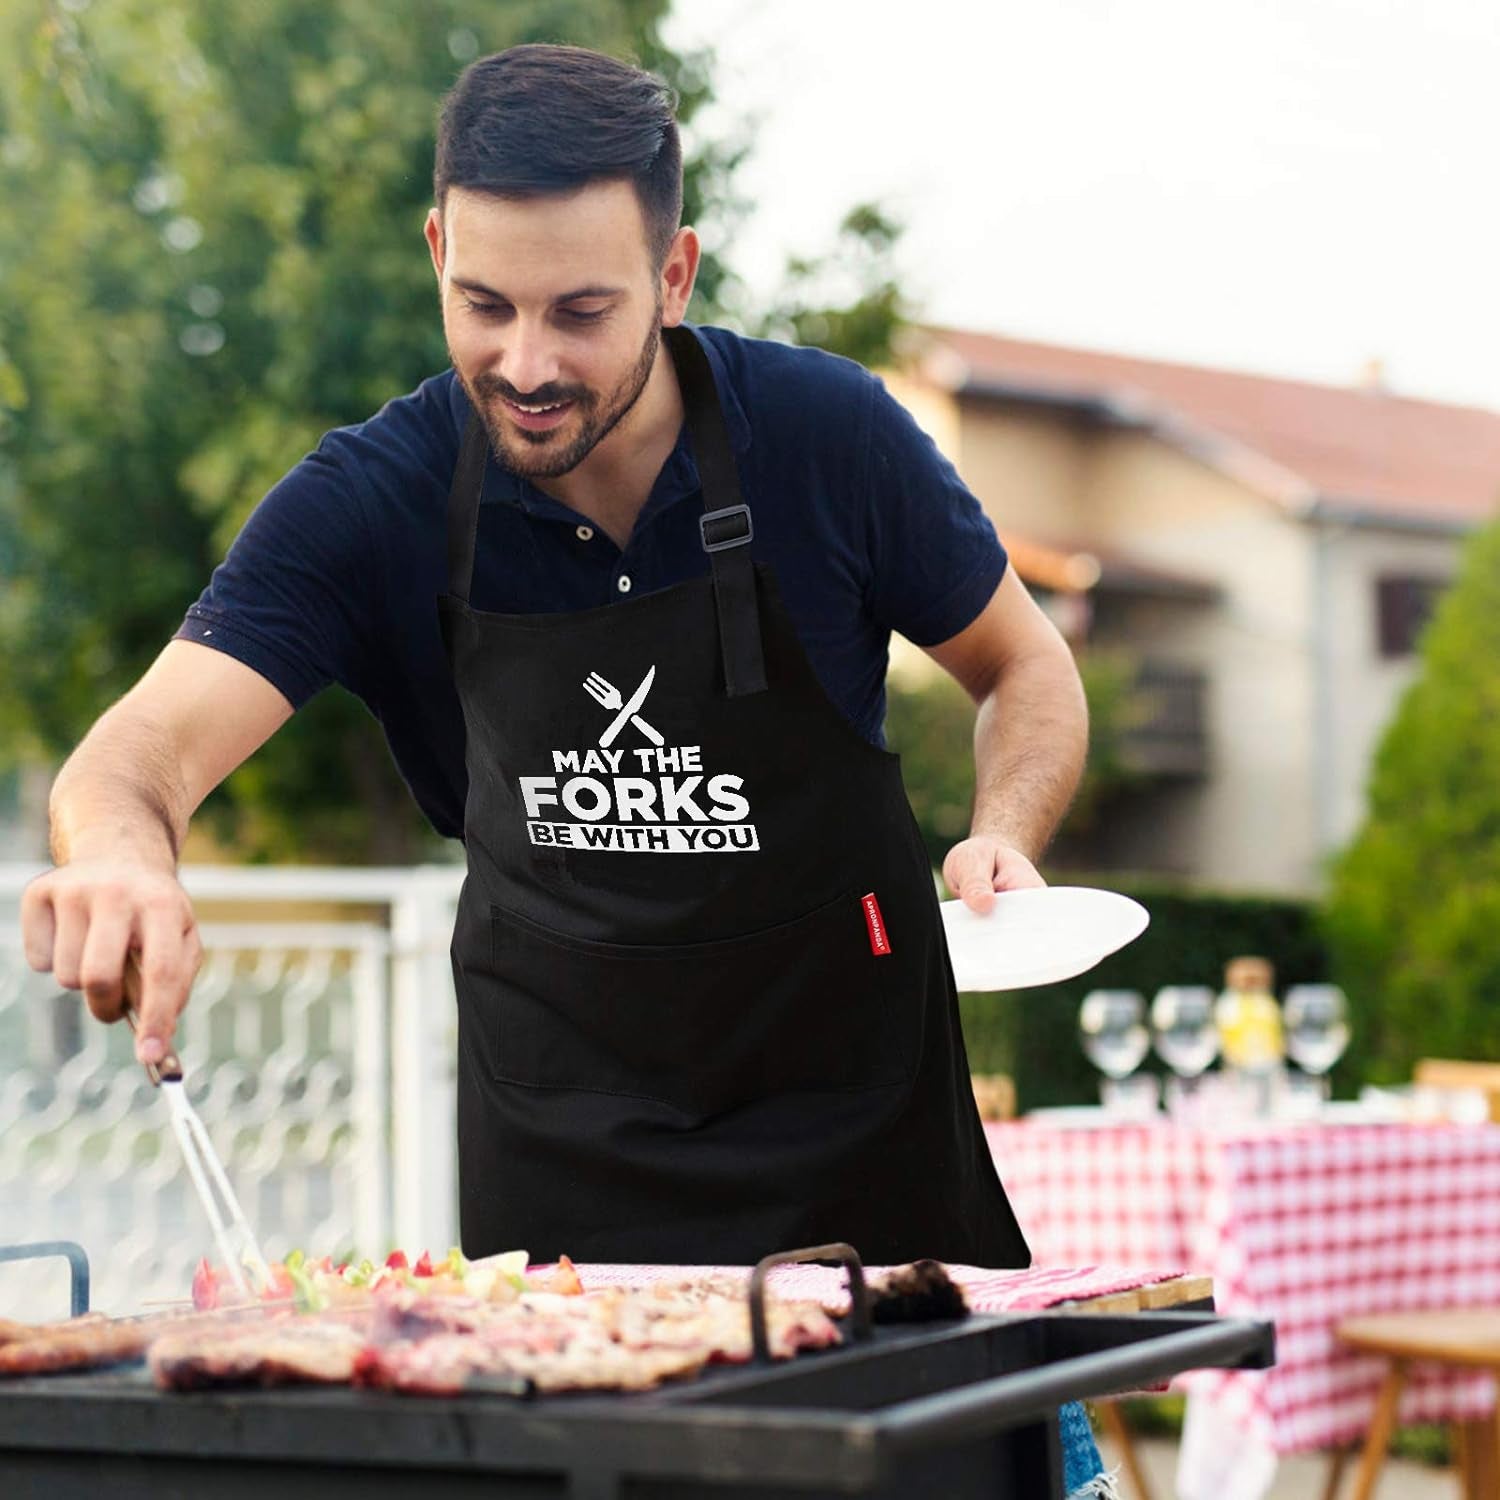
1264 550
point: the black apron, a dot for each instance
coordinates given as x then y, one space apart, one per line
705 1005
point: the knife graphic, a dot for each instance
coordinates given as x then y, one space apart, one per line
635 700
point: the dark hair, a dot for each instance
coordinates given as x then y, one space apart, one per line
542 119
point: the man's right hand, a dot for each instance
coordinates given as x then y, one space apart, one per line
120 808
79 921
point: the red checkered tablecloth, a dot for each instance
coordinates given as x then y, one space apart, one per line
1305 1225
986 1291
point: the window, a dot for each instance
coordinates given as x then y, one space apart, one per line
1403 605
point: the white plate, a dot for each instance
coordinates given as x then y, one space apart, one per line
1038 936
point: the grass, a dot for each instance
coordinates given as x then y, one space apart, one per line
1161 1416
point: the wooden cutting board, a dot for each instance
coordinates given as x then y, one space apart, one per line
1153 1298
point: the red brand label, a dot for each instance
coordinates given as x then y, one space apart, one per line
879 942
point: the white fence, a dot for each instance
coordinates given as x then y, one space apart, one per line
320 1054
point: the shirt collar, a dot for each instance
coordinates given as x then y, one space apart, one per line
679 474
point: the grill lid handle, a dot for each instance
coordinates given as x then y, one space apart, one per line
859 1296
78 1266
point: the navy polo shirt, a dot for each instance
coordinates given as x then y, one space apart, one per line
335 576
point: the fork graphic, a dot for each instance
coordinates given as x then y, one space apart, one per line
607 695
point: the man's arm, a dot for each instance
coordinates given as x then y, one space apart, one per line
120 808
1030 739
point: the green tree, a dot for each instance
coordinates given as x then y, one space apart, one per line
1413 915
848 301
210 257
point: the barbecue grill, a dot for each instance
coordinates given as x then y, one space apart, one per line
959 1408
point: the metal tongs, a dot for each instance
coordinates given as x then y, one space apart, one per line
232 1232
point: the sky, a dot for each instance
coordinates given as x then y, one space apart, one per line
1296 187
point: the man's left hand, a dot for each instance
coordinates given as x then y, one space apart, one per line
982 865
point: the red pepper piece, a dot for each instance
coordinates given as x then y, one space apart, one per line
281 1287
205 1286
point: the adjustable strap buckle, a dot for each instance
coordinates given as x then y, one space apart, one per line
723 529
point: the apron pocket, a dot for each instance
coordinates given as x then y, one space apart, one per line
803 1006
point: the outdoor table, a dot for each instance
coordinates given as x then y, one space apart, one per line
1305 1225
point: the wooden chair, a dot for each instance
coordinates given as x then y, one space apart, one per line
1114 1426
1461 1077
1467 1338
995 1094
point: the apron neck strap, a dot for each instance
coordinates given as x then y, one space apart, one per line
725 524
463 505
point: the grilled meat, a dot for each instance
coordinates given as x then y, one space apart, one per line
919 1293
79 1344
15 1333
319 1351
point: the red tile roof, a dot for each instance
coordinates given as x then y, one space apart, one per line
1359 448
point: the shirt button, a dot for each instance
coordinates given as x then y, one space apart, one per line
623 583
585 533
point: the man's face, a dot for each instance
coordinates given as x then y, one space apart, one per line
553 311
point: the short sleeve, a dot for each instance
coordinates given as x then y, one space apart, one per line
935 558
295 597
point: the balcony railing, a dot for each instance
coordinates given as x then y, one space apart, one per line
1166 729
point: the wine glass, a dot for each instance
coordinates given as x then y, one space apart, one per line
1315 1018
1187 1040
1182 1015
1112 1024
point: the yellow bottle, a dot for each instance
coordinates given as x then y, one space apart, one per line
1248 1017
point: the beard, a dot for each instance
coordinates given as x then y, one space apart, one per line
547 455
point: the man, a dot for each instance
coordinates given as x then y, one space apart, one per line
620 592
